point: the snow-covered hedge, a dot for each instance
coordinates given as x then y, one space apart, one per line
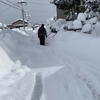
58 24
55 26
81 17
94 20
83 23
49 25
73 25
77 24
97 28
87 28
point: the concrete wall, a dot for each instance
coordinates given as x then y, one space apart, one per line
60 13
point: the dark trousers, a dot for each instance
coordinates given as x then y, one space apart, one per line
42 40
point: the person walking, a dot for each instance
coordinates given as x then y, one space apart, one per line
42 33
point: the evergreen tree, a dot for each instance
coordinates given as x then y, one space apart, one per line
69 5
93 8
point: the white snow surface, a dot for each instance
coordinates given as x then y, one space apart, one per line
66 68
81 17
77 24
87 28
94 20
97 28
57 25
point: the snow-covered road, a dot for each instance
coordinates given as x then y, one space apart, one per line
55 73
75 79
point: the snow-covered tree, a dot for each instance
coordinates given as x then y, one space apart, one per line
72 6
93 8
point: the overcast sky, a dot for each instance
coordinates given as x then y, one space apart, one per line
40 11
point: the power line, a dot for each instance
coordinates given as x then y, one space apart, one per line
17 6
13 3
10 5
6 9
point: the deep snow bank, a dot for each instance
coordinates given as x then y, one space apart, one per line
11 68
8 53
83 46
80 78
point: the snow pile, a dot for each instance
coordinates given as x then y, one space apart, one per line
20 31
11 69
8 65
73 25
58 23
70 25
81 17
97 28
77 24
50 22
94 20
91 14
87 28
49 25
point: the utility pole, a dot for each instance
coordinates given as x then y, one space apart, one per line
22 2
1 18
28 18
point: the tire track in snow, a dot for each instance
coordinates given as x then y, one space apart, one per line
83 78
38 88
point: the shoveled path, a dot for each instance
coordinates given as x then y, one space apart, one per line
38 88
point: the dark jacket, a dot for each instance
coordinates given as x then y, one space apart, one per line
42 32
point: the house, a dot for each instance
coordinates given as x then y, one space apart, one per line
17 24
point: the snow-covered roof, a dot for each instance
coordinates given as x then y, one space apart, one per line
19 20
